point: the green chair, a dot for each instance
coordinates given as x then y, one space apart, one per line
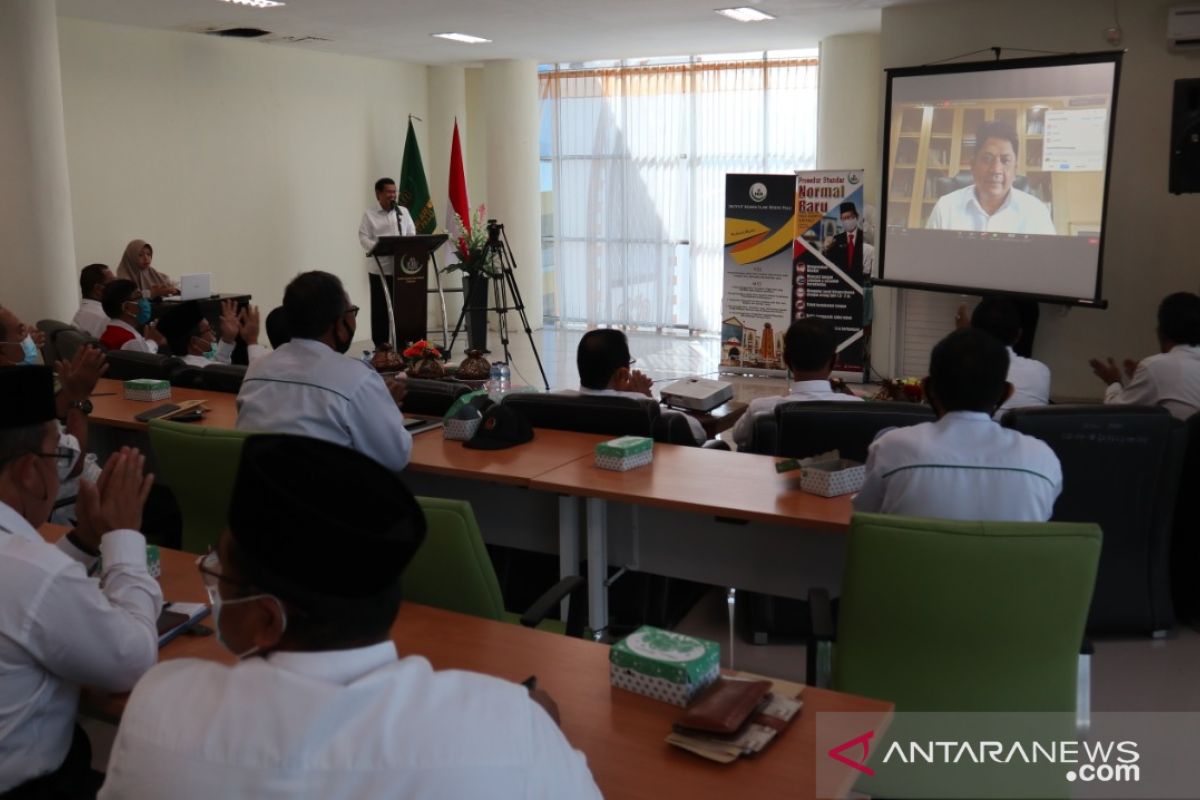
452 570
199 464
948 616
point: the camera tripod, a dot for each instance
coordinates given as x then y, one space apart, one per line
499 255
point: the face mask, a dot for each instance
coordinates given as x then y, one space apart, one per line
29 349
143 311
342 347
850 225
211 352
218 603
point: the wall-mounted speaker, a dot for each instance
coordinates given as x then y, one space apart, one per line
1185 137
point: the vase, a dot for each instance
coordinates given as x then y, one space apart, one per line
475 299
427 367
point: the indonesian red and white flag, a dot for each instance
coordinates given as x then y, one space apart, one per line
458 195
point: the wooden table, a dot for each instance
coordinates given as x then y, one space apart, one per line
704 495
111 409
622 734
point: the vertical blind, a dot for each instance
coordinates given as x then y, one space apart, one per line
634 162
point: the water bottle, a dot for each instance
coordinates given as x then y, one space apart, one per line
505 377
493 384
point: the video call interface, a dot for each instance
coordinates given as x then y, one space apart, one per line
995 177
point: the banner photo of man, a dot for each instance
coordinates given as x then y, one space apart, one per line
832 260
757 296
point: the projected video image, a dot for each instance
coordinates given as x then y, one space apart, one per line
996 176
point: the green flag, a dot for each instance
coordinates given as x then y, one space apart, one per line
413 189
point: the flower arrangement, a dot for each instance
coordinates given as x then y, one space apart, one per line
423 361
472 246
421 349
906 389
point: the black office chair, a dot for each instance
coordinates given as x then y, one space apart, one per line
431 398
810 428
213 378
1121 468
1185 541
127 365
611 416
52 327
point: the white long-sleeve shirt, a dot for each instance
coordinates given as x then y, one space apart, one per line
139 343
964 466
337 725
376 222
1030 380
308 389
800 391
1170 380
60 630
90 318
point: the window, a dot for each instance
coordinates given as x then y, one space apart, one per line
634 157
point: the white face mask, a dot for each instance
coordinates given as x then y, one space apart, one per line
218 603
850 225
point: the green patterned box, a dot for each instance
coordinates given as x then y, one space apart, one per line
147 389
666 666
625 453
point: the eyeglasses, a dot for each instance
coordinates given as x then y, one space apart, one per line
632 361
209 566
991 158
352 311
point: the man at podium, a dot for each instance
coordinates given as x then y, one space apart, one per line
387 218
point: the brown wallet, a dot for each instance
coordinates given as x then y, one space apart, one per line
724 706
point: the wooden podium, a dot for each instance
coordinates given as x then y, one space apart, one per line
409 285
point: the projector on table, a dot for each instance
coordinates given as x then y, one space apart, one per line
697 394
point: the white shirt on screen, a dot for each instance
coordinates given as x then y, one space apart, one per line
1170 380
59 630
1021 213
376 223
964 466
338 725
308 389
1031 383
801 391
90 318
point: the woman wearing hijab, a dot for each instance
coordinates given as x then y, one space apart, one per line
135 266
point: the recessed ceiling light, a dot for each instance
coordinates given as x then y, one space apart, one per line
258 3
744 14
465 38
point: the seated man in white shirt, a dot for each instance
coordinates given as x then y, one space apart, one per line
305 588
190 335
604 364
90 318
309 387
991 203
60 628
809 350
1170 379
129 323
964 466
1030 378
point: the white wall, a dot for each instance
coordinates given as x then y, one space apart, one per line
1150 247
248 160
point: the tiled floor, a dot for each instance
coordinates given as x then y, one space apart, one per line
1131 674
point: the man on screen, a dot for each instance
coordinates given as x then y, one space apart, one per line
992 203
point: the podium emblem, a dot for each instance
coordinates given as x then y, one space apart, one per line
410 265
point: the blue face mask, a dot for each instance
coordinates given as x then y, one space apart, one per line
30 351
143 311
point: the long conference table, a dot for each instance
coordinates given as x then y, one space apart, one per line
622 734
716 517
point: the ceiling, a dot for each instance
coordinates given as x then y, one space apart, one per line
545 30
